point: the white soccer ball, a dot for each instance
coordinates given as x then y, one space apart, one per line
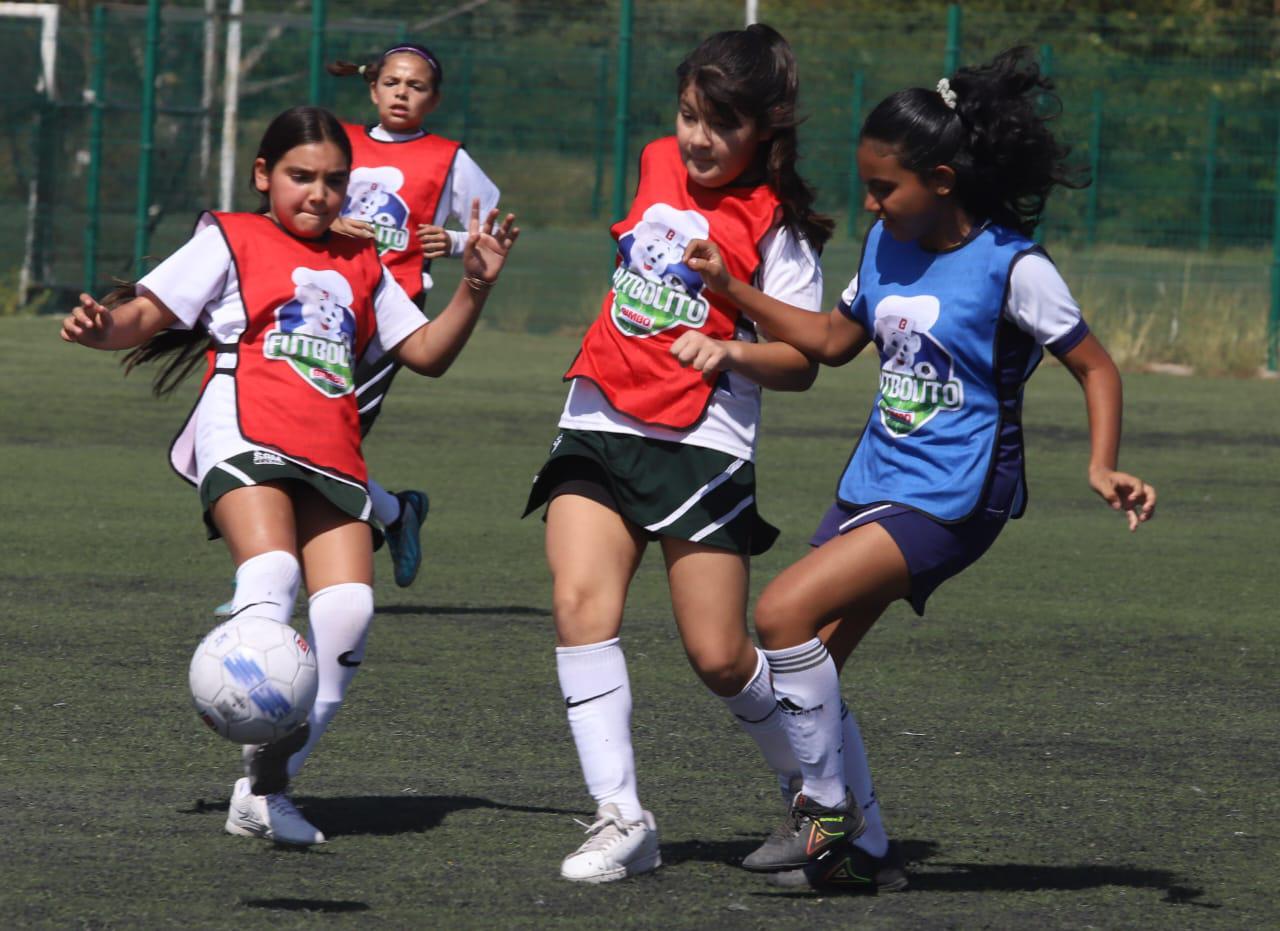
253 680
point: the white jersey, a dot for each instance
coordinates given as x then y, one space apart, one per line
789 271
200 285
1038 301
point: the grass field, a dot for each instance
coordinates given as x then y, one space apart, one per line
1082 733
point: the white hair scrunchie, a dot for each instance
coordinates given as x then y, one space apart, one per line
946 93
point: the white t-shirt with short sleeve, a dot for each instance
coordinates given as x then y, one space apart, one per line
199 285
1038 302
789 271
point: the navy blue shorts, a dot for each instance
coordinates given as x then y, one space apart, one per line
934 551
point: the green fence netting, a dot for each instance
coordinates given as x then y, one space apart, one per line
1177 119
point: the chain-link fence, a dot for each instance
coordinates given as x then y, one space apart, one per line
1176 243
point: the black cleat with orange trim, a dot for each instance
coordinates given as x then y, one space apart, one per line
808 831
848 868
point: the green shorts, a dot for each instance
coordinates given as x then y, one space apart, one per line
259 467
668 489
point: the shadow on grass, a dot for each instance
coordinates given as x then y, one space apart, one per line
708 851
468 610
306 905
944 876
382 815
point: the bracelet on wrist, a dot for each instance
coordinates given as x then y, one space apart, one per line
478 284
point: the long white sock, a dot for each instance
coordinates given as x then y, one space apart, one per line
386 506
267 586
808 690
857 776
757 711
340 619
597 698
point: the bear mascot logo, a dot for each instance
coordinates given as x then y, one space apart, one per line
653 290
316 331
372 197
916 371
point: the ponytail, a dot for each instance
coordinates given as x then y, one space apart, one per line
752 73
990 124
370 69
184 349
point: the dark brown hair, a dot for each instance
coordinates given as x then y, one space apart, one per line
181 349
751 73
996 138
371 69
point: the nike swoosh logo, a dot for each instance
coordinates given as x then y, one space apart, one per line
345 659
570 703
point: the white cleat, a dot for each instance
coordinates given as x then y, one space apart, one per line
269 816
614 849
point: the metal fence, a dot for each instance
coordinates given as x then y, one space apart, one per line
121 121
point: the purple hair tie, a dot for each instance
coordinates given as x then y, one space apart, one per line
425 56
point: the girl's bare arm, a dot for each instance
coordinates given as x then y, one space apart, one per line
123 327
832 338
1104 400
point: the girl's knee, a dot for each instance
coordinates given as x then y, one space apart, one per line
583 614
725 671
780 622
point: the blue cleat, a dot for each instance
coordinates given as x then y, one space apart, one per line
403 537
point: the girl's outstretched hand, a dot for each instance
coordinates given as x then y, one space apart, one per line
355 229
435 241
703 256
487 246
1126 493
89 322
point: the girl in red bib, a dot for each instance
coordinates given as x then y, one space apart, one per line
283 310
658 435
406 183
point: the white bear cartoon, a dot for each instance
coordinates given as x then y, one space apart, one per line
899 322
901 343
325 298
370 190
659 243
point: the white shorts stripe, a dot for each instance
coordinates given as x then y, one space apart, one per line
861 515
236 473
361 389
697 496
716 525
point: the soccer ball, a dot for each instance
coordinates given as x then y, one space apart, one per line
253 680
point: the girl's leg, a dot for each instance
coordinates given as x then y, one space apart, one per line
593 552
852 575
709 599
841 637
257 523
337 560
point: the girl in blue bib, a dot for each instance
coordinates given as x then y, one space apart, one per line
960 304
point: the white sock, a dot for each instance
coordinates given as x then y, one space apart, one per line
857 776
808 690
267 586
597 698
340 619
756 709
386 506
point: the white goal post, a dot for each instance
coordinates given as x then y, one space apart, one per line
46 84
